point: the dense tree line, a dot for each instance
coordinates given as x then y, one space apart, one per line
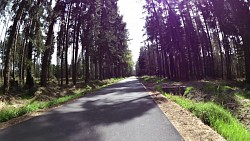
196 39
89 37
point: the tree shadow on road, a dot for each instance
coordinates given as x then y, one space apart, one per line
84 118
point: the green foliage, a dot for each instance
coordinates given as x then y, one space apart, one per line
158 88
210 88
225 88
217 88
215 116
243 94
188 90
153 79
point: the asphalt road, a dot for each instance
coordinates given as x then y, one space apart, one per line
120 112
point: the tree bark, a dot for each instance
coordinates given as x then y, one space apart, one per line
13 33
211 54
76 50
47 53
227 57
246 40
221 53
87 74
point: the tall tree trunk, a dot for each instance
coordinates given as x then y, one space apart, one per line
29 78
167 65
96 70
76 49
221 53
13 33
67 45
66 64
47 53
83 61
62 74
62 54
227 57
211 54
73 55
14 56
246 40
22 64
23 68
100 64
172 67
87 65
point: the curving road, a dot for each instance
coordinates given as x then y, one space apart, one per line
120 112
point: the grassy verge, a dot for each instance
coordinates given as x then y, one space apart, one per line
216 117
211 113
12 112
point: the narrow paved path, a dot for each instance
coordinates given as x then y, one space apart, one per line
120 112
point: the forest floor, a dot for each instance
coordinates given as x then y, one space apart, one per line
23 104
233 96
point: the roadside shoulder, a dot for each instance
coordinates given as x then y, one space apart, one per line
189 126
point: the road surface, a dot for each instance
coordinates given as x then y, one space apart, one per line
120 112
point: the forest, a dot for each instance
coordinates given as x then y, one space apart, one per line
195 60
89 38
196 39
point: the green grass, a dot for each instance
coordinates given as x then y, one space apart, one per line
188 90
211 113
216 88
216 117
153 79
12 112
243 94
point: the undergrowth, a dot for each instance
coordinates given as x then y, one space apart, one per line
211 113
215 116
153 79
